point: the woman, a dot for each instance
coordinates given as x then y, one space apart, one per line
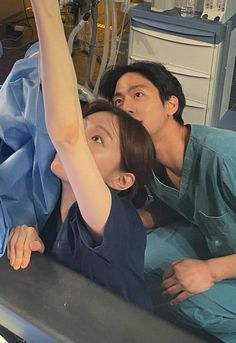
96 233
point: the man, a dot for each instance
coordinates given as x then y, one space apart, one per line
195 175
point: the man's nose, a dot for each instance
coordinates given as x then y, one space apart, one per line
127 106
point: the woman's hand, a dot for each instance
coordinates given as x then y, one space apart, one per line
186 277
22 241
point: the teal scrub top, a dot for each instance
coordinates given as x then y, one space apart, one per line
207 194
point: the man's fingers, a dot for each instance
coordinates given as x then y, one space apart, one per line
168 273
175 289
167 283
181 297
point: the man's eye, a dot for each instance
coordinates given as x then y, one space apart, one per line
97 139
117 102
139 94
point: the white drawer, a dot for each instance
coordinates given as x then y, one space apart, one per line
171 49
195 85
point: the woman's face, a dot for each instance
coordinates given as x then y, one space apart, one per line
102 133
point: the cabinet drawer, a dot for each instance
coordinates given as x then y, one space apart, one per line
171 49
195 85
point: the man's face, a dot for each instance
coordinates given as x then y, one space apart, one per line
138 96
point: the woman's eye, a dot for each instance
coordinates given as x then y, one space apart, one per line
97 139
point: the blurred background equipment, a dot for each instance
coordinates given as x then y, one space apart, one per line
187 8
162 5
219 10
199 50
96 40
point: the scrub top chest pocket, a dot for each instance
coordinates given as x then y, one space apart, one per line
219 231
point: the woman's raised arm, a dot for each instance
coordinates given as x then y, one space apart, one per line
64 119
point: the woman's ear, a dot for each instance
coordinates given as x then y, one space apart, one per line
172 105
122 181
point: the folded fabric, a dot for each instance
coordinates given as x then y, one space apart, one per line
28 189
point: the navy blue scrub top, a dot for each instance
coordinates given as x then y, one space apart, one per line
117 263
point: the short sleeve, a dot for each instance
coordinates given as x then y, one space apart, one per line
124 238
123 242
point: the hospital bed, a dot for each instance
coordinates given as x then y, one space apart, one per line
49 303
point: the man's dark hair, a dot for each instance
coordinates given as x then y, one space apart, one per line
156 73
136 147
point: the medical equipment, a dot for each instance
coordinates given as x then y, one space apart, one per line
76 30
219 10
105 55
73 9
83 35
187 8
84 92
162 5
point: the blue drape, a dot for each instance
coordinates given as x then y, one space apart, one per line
28 189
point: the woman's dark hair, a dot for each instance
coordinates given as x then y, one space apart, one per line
156 73
136 147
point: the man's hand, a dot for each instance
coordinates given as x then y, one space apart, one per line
146 218
186 277
21 242
157 214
